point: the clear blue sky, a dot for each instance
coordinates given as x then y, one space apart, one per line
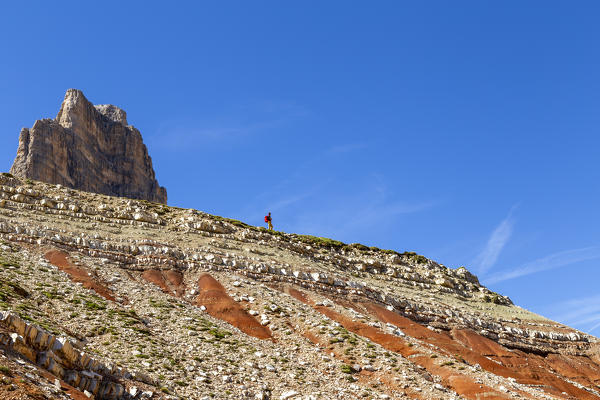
466 131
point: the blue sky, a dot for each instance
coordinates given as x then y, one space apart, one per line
465 131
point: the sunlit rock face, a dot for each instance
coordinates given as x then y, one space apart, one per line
90 148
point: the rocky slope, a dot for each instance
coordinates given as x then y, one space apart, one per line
90 148
126 299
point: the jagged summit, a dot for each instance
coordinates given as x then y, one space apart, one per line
112 112
91 148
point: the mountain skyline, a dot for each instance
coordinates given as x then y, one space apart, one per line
466 134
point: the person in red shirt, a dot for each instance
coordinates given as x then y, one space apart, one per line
268 220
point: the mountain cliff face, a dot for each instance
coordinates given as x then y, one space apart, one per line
124 299
90 148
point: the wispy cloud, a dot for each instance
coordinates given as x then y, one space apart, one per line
553 261
352 220
498 239
298 178
383 211
353 214
582 313
308 201
282 203
191 133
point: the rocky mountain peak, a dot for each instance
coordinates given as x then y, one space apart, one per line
91 148
74 105
113 113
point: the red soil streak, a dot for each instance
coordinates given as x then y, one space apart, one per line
169 281
175 279
75 393
525 368
79 274
312 337
594 353
390 342
20 389
577 368
218 304
156 277
298 295
25 390
480 344
538 369
364 377
463 385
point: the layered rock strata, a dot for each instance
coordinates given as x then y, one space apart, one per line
60 356
385 268
90 148
462 337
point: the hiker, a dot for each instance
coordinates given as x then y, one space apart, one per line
268 221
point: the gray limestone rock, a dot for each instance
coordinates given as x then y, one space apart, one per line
89 148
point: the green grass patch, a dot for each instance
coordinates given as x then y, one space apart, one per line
416 258
219 334
90 305
320 241
346 369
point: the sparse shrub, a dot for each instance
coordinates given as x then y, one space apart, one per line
143 331
414 257
90 305
231 221
346 369
390 252
359 246
320 241
219 334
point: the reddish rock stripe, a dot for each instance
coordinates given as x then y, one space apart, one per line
79 274
156 277
169 281
175 279
363 376
461 384
298 295
528 369
577 368
220 305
